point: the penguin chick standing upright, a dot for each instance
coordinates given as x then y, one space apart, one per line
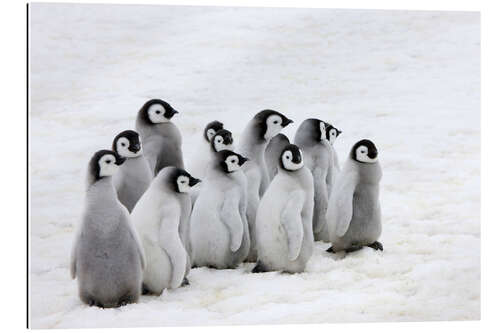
284 218
273 152
256 135
107 257
159 217
312 138
354 211
219 227
332 134
161 139
134 175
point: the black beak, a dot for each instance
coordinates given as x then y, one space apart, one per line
373 153
297 159
339 132
193 181
286 122
228 140
173 112
243 160
120 160
135 148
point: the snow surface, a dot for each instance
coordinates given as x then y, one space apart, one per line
408 80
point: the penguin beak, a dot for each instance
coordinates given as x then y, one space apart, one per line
228 140
135 148
243 160
173 112
339 132
373 153
193 181
120 160
286 122
297 159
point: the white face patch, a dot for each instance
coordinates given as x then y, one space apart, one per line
232 163
210 134
362 155
156 114
333 136
107 165
122 146
322 129
287 157
273 126
219 143
183 184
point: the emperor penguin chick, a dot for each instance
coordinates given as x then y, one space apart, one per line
161 139
312 138
219 227
284 218
134 175
332 134
273 152
354 211
160 216
256 135
107 257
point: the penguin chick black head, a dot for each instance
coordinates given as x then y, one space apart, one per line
223 139
270 123
230 161
312 130
212 128
127 144
332 133
291 158
364 151
104 163
156 111
181 181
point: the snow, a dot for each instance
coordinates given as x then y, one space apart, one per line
407 80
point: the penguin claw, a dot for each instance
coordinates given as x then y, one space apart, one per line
259 268
353 248
185 282
376 246
330 250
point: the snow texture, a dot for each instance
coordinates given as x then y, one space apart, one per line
407 80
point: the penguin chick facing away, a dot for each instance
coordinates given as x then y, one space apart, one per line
219 227
134 175
159 217
256 135
312 137
273 152
354 211
284 218
107 257
161 139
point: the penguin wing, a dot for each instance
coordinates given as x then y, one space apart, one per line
173 247
342 194
230 216
72 266
291 220
135 236
321 195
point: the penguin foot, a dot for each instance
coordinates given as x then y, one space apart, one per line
146 291
259 268
330 250
353 248
376 246
185 282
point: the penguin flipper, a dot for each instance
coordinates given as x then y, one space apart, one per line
320 197
342 195
171 243
72 265
291 220
230 216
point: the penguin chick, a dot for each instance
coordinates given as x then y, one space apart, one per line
160 216
332 134
312 137
210 130
161 139
273 152
107 257
354 210
219 227
134 175
256 135
284 218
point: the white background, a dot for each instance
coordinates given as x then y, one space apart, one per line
15 155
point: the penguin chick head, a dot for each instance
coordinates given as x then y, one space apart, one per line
291 158
230 161
223 139
157 111
312 131
364 151
127 144
181 181
270 123
104 163
212 128
332 133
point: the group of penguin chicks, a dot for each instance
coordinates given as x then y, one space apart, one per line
147 221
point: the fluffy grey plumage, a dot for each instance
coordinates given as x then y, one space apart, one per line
273 152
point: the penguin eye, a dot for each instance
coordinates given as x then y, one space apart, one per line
108 161
275 122
157 111
123 144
